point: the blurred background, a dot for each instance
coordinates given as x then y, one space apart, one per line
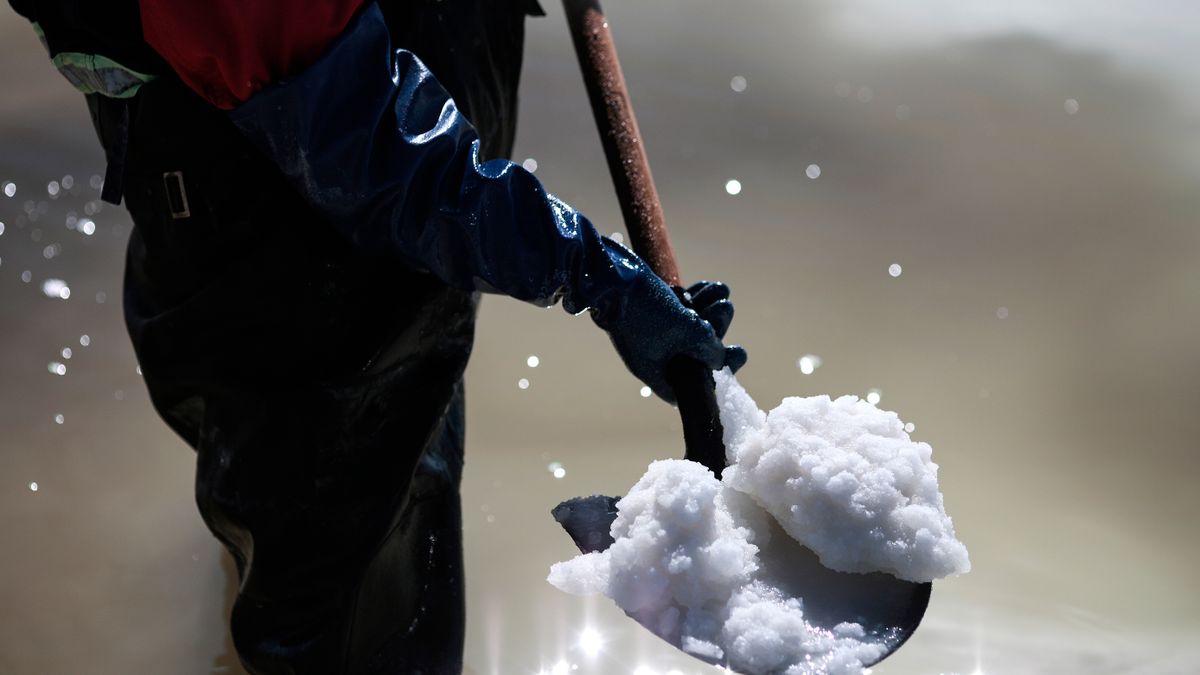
985 214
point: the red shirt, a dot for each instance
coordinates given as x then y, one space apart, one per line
226 50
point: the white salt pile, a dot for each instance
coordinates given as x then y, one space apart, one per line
843 478
690 562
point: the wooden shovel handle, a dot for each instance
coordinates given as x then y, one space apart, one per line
622 141
620 136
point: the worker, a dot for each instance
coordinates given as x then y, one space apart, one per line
319 198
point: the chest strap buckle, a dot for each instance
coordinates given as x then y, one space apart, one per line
177 200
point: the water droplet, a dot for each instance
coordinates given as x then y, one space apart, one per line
813 171
68 182
101 296
874 396
865 94
738 83
733 187
1071 106
67 353
87 226
533 361
96 182
1 227
53 188
33 487
85 340
1001 312
556 469
910 427
57 368
55 288
10 189
808 363
522 383
119 394
139 370
646 392
895 269
59 419
51 251
26 276
618 237
530 165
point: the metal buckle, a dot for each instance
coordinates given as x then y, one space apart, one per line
177 200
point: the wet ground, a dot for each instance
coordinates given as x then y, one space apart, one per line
1030 171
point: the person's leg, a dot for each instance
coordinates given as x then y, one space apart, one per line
347 566
321 390
425 546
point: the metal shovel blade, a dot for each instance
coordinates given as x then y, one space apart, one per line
884 605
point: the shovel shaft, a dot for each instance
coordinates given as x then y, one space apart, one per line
626 154
620 137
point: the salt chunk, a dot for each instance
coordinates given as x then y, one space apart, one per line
586 575
767 632
740 416
843 478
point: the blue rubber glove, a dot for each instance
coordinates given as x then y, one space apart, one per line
652 323
373 142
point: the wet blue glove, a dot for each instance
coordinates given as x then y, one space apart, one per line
373 142
652 323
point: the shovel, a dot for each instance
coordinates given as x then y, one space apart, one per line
880 602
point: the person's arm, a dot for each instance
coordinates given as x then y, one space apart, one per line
374 143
